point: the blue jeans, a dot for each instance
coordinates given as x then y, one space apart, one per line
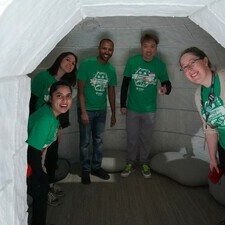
94 129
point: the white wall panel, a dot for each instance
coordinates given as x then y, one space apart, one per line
15 95
30 30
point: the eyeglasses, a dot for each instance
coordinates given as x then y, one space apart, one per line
190 65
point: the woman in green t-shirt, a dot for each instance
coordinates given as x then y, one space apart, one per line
210 101
42 131
64 68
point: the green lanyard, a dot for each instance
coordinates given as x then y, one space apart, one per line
211 98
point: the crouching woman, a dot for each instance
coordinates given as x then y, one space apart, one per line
42 131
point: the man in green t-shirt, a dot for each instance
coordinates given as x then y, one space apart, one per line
96 77
141 76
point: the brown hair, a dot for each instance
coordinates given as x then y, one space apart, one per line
197 52
149 37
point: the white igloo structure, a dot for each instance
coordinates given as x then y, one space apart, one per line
30 30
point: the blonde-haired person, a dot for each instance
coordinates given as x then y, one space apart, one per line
210 101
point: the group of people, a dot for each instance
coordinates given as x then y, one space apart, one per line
51 98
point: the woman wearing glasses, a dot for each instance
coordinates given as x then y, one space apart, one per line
210 101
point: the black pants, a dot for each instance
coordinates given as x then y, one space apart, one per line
221 152
38 188
38 182
51 160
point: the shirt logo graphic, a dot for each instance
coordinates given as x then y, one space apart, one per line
100 82
142 78
46 97
215 113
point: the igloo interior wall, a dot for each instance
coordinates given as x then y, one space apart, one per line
29 33
178 126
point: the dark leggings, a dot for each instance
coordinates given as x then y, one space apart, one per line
51 160
38 188
221 152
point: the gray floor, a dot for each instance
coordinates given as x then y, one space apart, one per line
134 201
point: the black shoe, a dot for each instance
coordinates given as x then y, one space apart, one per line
101 174
85 177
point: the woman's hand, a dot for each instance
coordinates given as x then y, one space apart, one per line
213 164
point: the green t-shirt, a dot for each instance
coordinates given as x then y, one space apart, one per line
40 87
97 78
142 93
215 111
42 127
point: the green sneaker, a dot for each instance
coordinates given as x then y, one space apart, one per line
127 170
146 170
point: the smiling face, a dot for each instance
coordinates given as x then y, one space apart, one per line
68 63
106 49
196 69
61 100
148 49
